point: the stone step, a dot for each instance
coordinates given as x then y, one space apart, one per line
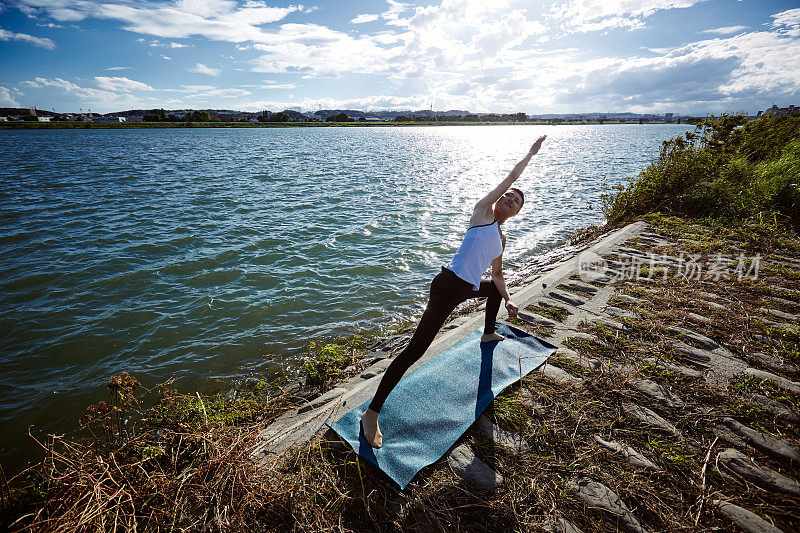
713 305
631 299
514 442
556 524
616 312
648 417
780 381
466 465
574 357
566 298
678 369
773 362
780 314
764 477
659 393
559 374
773 406
694 355
737 433
747 521
699 318
538 320
607 322
597 495
582 287
631 455
699 338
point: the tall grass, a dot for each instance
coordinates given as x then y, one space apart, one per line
726 167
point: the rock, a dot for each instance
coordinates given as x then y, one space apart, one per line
559 374
630 299
598 495
370 373
467 466
710 295
779 313
659 393
690 372
774 378
699 318
713 305
775 407
607 322
695 355
737 433
764 477
745 520
556 524
633 457
575 357
566 298
647 416
620 313
773 362
508 439
783 301
699 338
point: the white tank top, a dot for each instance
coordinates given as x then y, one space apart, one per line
481 244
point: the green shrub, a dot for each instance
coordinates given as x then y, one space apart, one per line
727 167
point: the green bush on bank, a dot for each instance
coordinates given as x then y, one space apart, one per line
726 167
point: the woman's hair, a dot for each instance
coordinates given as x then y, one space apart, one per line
522 194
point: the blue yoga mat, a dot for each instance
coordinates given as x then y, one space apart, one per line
431 407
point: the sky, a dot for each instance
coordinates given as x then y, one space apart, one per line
642 56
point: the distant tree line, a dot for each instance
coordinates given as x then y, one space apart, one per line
506 117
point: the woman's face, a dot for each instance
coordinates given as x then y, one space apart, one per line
510 203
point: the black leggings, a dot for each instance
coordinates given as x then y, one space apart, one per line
447 291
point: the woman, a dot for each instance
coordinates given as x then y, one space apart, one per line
459 280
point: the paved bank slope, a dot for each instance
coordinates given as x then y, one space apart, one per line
671 402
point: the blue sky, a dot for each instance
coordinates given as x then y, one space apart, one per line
679 56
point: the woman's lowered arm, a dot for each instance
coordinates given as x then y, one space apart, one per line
487 201
500 283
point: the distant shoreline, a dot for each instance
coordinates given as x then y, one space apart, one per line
135 125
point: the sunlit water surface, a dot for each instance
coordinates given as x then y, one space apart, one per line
213 254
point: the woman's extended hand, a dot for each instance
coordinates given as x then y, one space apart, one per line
538 144
512 309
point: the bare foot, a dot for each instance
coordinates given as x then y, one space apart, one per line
369 424
489 337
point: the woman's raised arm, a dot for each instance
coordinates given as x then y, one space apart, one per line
487 201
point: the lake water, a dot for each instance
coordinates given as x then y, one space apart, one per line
212 254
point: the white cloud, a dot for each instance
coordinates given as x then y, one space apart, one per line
366 17
595 15
122 84
287 86
118 68
178 45
725 30
84 93
219 93
165 58
41 42
6 100
200 68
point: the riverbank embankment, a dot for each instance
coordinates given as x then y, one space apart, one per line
671 404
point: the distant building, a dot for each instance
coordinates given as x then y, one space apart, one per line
43 119
775 110
109 119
